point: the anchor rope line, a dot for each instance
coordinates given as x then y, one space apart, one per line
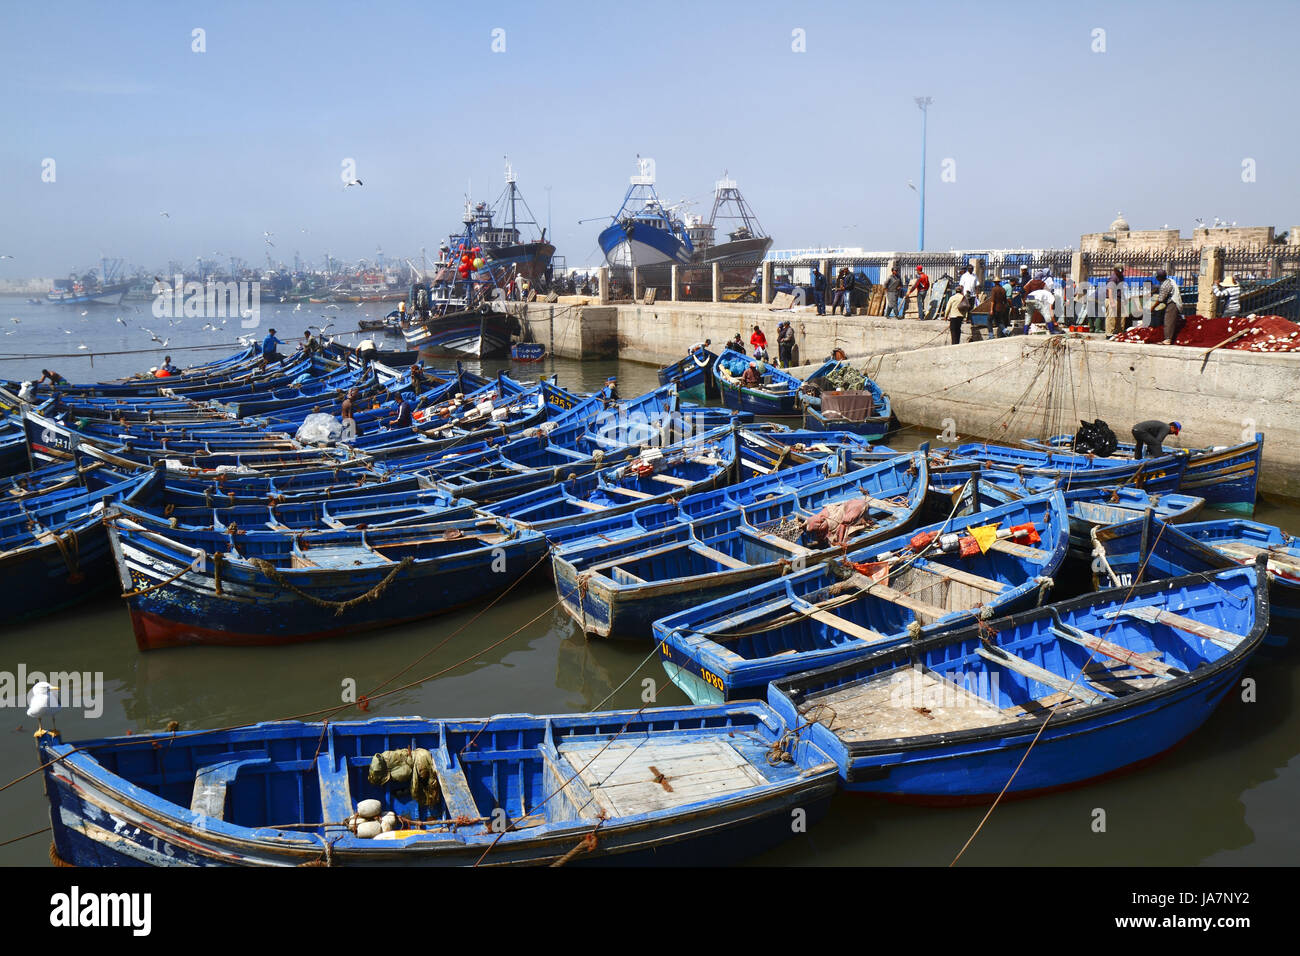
1051 712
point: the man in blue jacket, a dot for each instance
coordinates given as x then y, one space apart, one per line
269 354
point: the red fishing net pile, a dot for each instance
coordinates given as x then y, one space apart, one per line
1263 333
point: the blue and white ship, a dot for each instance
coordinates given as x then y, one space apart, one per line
644 232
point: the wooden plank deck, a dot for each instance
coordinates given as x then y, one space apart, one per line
907 703
622 780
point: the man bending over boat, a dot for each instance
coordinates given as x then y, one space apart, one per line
1149 437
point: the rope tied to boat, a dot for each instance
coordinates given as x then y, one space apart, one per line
70 550
1045 584
272 573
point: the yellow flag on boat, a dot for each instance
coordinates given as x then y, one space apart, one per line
984 536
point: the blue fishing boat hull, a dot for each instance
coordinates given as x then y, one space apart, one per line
693 375
180 594
619 588
731 648
478 334
1145 549
872 429
638 245
972 749
510 790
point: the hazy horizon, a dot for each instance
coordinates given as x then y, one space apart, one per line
1047 138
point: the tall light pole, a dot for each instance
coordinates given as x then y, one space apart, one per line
548 214
923 103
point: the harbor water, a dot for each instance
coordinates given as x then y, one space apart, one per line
1225 797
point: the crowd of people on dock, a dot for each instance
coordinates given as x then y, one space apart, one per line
1024 303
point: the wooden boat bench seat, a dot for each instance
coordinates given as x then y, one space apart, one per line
335 790
713 554
1277 561
589 505
211 782
967 578
630 492
457 797
1153 615
673 480
894 596
841 624
1043 676
779 542
337 557
1020 550
1143 662
564 784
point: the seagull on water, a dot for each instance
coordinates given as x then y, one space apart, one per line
43 701
15 320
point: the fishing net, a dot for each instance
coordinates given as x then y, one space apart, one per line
403 770
1263 333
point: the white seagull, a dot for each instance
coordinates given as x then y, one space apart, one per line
354 182
165 215
43 701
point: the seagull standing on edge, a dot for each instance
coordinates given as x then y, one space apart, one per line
43 701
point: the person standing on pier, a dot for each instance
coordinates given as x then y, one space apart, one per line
894 294
1229 295
1149 436
967 283
1167 307
785 343
918 289
819 290
956 312
999 311
1116 304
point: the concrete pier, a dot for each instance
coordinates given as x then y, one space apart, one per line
1221 400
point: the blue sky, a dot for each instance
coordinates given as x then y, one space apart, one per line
1048 139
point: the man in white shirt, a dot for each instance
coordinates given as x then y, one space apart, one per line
967 283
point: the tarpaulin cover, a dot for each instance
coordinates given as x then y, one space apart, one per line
1262 333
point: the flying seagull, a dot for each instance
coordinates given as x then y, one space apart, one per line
6 257
353 182
165 215
267 236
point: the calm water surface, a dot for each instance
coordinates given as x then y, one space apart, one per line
1227 796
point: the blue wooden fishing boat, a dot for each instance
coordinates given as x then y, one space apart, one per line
54 552
1146 548
654 476
189 586
693 375
671 786
1088 507
888 593
776 393
1048 698
950 468
763 486
1227 477
618 588
865 410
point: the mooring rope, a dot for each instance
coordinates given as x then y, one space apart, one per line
272 573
